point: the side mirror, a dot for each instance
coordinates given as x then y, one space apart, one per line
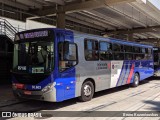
65 50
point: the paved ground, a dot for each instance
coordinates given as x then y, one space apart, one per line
145 97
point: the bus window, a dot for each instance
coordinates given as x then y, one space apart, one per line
118 51
67 55
119 56
143 50
128 56
136 49
105 51
117 47
139 56
91 50
128 48
146 49
150 54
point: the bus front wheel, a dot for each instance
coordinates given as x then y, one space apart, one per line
135 80
87 91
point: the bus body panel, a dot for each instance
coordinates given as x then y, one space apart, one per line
65 81
117 73
98 71
105 74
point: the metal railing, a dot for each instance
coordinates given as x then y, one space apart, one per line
7 29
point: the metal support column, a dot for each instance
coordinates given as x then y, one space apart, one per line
60 21
130 37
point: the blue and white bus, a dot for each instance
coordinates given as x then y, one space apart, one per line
56 65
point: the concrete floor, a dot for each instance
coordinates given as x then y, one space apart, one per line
145 97
6 95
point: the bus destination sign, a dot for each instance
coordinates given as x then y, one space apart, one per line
36 34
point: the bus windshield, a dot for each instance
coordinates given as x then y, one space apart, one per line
34 57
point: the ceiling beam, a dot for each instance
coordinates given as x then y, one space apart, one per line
135 30
112 2
148 40
29 3
98 20
111 20
59 2
155 35
83 22
85 5
127 16
14 4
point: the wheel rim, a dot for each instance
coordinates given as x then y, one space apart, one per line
136 80
87 90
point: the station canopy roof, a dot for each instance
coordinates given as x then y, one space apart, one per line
109 17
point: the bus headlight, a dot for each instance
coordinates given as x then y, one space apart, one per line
48 87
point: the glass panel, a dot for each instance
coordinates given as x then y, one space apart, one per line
34 56
117 47
105 55
128 48
70 57
89 45
143 50
136 49
129 56
91 53
146 50
105 46
139 56
150 56
95 44
119 56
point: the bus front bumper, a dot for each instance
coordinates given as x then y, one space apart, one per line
36 95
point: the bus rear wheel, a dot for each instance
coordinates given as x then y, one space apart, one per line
135 80
87 91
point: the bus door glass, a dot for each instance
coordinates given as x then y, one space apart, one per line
67 52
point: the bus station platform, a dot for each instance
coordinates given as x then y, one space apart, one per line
7 96
145 97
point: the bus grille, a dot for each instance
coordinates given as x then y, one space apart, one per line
30 79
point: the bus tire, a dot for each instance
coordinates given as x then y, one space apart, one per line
135 80
87 91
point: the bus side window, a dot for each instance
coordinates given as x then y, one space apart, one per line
150 57
128 49
67 55
118 51
105 50
128 56
91 50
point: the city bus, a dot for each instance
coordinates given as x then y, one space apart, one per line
54 65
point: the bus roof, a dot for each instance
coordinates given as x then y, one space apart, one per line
91 36
112 40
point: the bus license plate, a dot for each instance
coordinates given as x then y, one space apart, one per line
27 92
